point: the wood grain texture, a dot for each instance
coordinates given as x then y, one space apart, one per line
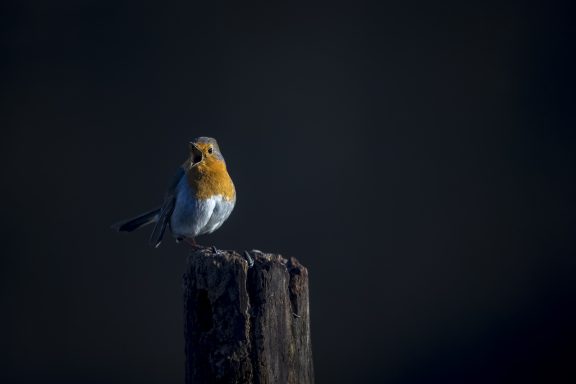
246 325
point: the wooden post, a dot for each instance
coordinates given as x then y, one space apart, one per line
246 325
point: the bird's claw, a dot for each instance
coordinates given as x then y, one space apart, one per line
249 259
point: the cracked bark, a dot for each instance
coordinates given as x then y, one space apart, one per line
246 325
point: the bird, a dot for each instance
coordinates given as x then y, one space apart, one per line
198 201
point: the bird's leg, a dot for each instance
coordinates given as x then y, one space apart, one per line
192 242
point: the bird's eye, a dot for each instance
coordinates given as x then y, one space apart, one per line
210 150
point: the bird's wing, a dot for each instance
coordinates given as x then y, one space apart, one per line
166 210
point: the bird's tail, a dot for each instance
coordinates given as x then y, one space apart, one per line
137 222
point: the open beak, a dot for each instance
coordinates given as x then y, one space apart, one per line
195 154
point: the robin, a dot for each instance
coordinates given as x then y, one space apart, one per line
198 201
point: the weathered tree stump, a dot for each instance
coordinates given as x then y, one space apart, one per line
246 325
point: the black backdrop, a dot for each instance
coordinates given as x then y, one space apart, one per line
417 157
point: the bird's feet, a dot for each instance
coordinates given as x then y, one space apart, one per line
191 242
196 247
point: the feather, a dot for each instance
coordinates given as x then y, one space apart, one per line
166 210
137 222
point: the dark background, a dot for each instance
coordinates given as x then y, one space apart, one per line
418 157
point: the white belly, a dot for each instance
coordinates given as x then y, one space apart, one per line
192 217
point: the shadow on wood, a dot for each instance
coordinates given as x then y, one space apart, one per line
246 325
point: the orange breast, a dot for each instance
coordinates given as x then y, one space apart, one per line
211 178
